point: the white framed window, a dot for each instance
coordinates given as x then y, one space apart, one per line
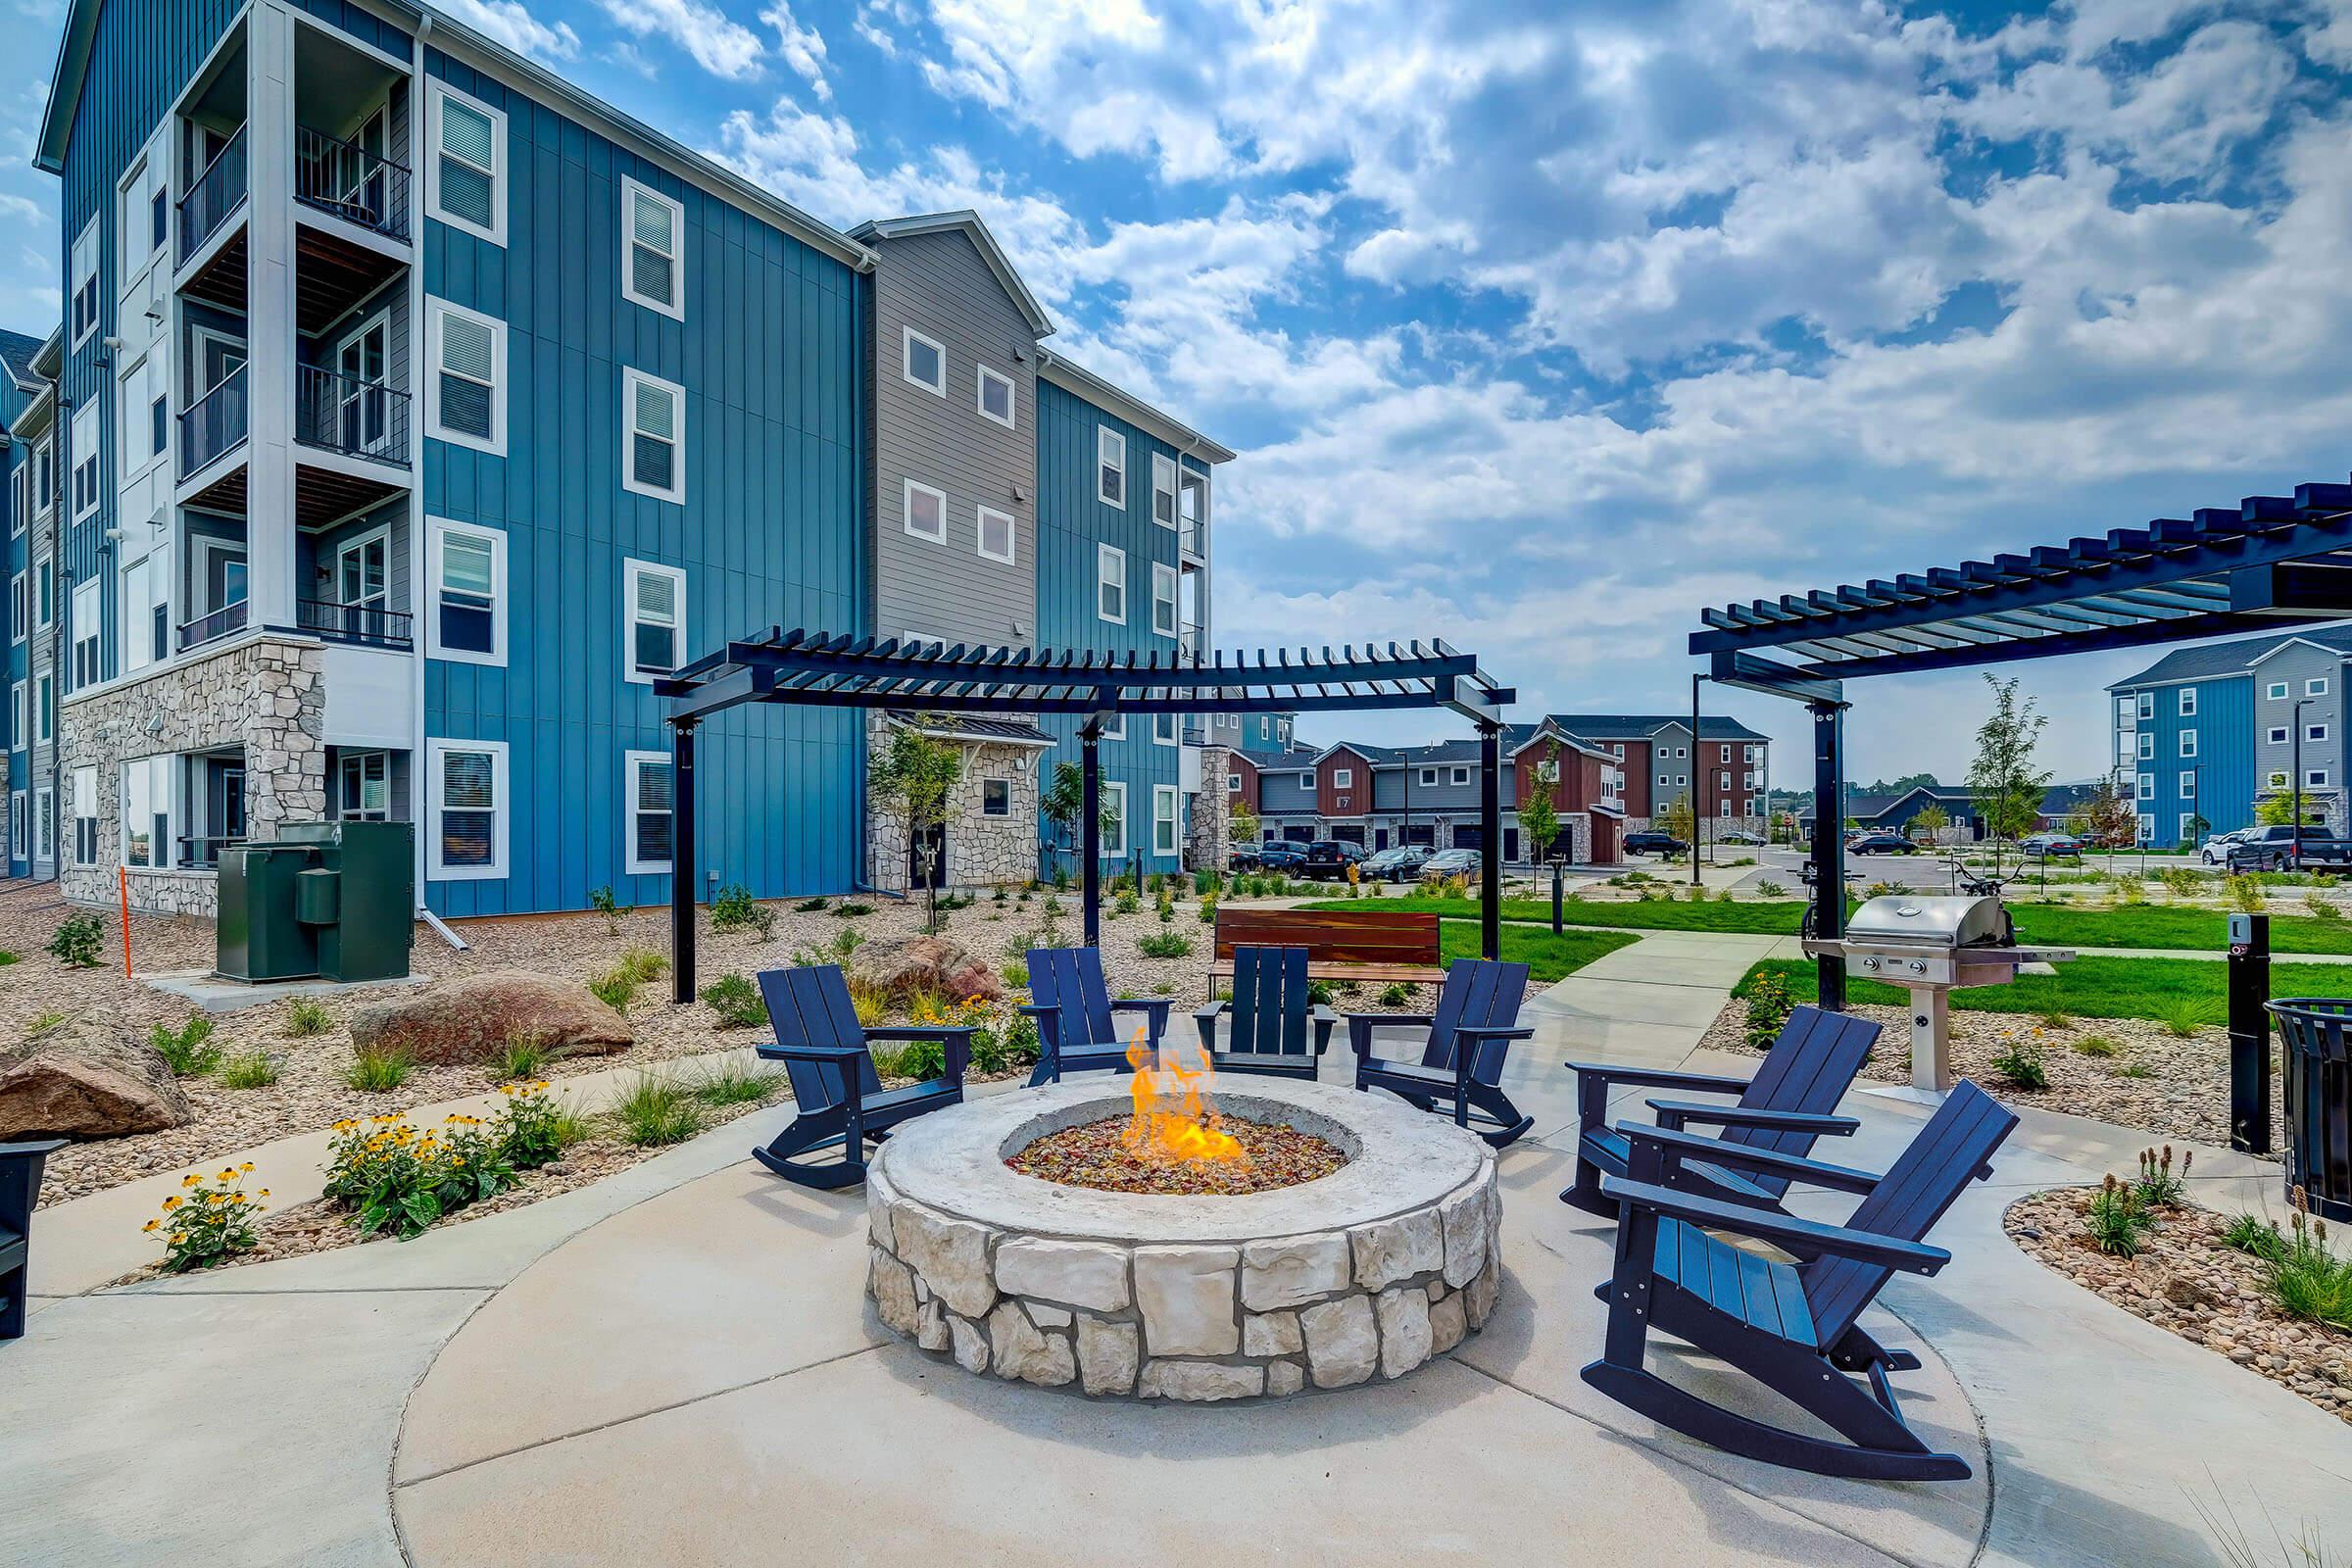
1727 809
86 283
84 781
654 462
465 396
922 362
1163 729
2146 704
926 511
465 163
995 797
1115 728
2189 783
2187 832
19 510
649 786
2147 786
1233 783
44 708
20 607
364 787
2278 734
653 243
2275 691
2147 745
998 532
1114 819
2315 778
1110 467
653 607
44 475
1429 777
1163 490
996 397
2315 732
1343 778
1461 775
1681 781
85 461
146 802
466 618
16 715
2277 779
16 825
44 822
2317 686
2188 702
1110 584
466 810
1163 599
1165 803
2147 830
2188 743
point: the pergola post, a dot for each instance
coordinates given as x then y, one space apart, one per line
682 871
1829 845
1090 832
1490 832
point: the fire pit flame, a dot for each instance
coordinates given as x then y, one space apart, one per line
1174 1123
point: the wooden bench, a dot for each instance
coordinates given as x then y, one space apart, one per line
1382 946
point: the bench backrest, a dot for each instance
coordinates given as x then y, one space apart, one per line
810 1007
1334 936
1068 983
1481 993
1812 1063
1269 1002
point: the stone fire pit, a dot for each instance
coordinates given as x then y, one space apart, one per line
1362 1273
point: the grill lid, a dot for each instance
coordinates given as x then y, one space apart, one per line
1906 919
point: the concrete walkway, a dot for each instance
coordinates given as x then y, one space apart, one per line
675 1365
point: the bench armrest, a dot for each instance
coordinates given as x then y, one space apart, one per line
1673 1113
1667 1150
1804 1237
1362 1024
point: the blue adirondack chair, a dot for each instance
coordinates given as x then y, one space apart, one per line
840 1097
1785 1106
1270 1014
1470 1036
1790 1326
1076 1031
20 1189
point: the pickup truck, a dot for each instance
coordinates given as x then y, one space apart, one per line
2273 848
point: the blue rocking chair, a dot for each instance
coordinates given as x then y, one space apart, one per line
839 1094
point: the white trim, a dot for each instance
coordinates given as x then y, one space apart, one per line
1460 777
906 497
44 705
1012 534
436 310
630 570
1106 438
2188 702
436 529
631 381
76 280
1114 851
1165 575
2315 778
1012 397
436 94
2186 789
2313 735
436 751
2316 686
1173 798
634 806
1343 778
2274 691
632 192
20 607
908 337
2279 735
985 781
2188 743
1164 464
1106 557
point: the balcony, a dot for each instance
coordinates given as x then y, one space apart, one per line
216 423
1192 538
226 621
337 413
1187 638
212 196
346 181
373 625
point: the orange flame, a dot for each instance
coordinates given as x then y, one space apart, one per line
1174 1120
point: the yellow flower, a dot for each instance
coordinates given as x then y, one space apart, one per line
190 1178
171 1202
264 1192
247 1165
151 1224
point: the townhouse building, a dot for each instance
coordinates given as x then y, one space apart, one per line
27 460
1725 770
424 412
2205 735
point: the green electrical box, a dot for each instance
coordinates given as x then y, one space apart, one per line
335 900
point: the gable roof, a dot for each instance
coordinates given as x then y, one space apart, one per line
1073 377
968 223
2217 660
1641 726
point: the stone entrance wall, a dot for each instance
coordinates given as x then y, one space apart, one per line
1209 836
266 694
982 850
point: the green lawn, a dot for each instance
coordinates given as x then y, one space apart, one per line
2164 989
1546 957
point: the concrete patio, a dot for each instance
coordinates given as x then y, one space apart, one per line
676 1365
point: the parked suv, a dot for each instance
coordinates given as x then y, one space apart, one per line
2273 848
1650 841
1400 864
1330 857
1275 855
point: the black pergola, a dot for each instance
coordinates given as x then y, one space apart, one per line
818 670
2261 566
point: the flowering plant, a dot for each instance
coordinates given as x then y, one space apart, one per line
204 1221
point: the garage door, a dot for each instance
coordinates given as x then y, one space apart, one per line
1466 838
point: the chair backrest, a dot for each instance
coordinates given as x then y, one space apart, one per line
1269 1002
1482 994
1954 1148
810 1007
1069 981
1334 936
1809 1068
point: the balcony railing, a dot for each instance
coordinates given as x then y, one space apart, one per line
364 418
373 624
211 628
212 196
204 854
1187 638
1193 536
351 183
213 423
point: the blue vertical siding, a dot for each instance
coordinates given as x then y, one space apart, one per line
1070 522
2225 763
15 755
770 355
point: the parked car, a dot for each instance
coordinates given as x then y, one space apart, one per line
1399 864
1450 864
1275 855
2050 846
1651 841
2216 849
1740 838
2273 848
1880 844
1327 859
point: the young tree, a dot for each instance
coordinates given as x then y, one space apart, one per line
1063 804
2280 809
1539 818
1932 819
2107 817
1241 825
1680 819
2008 787
912 780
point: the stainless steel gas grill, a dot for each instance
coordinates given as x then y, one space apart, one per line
1929 946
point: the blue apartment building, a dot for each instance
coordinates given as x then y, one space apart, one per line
26 558
416 411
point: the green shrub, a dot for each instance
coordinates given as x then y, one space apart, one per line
653 1111
249 1069
523 1056
2020 1062
1015 974
733 908
916 1059
532 1129
394 1178
77 941
306 1017
6 957
1769 1006
1207 910
2134 1070
733 1084
1164 945
2185 1017
605 904
2159 1187
377 1069
2181 881
2098 1046
43 1022
2056 1020
1319 992
189 1049
643 964
2256 1235
815 906
1771 889
2117 1221
998 1051
1125 903
205 1222
615 988
850 911
1396 995
2307 1279
736 1000
2245 894
1207 882
2323 907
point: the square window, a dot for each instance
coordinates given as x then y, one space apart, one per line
1163 490
2315 778
466 398
996 397
1163 599
995 797
654 606
648 781
2317 686
1110 584
923 362
656 462
1461 775
466 811
1429 777
1110 467
1343 778
466 164
1233 783
466 620
2315 732
2278 734
2278 780
997 533
654 237
926 512
2275 691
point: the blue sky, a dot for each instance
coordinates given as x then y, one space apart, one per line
1540 325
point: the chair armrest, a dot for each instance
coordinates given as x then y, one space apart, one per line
1157 1007
956 1038
1673 1147
1324 1021
1205 1019
36 1149
1785 1230
1495 1031
811 1052
1673 1114
1699 1083
1362 1024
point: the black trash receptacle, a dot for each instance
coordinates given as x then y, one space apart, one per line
2317 1034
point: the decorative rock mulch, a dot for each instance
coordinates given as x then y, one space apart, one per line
2166 1085
2186 1279
1095 1155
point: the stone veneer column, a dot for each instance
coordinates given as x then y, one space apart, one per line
1209 836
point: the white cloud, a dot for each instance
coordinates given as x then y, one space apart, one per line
510 23
803 49
718 43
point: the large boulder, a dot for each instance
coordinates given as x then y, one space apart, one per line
470 1020
86 1078
904 966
